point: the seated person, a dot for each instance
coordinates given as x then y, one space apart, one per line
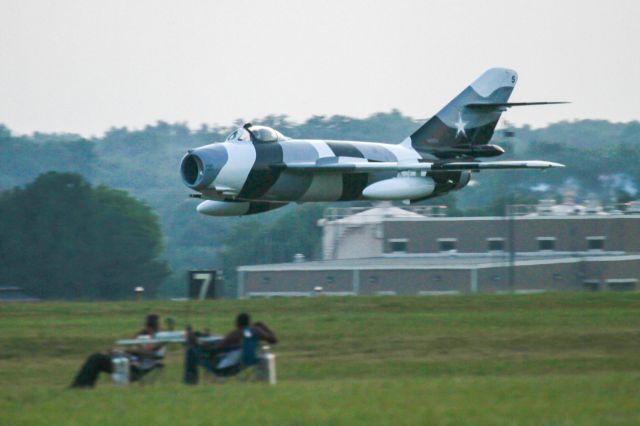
229 355
141 359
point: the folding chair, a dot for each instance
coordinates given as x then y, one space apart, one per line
135 368
245 365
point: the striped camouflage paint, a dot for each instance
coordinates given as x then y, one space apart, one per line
244 170
258 169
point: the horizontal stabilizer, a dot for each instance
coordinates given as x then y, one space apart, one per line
496 105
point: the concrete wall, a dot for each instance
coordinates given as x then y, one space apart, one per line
603 273
359 242
363 282
297 281
571 233
416 281
555 277
564 275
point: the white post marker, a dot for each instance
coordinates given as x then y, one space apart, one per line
120 375
266 369
271 365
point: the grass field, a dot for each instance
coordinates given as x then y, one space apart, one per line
536 359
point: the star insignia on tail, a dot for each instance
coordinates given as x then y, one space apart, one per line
460 126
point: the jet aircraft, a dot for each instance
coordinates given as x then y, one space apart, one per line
257 169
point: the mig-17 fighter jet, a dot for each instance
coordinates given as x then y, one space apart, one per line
257 169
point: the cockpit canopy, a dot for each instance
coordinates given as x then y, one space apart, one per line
256 134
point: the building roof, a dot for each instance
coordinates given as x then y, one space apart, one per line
519 218
382 211
377 214
440 261
385 211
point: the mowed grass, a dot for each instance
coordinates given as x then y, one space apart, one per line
556 358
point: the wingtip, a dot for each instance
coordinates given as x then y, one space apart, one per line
545 164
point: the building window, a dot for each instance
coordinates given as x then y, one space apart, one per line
546 243
595 243
622 284
496 278
495 244
373 279
398 245
447 244
329 279
266 280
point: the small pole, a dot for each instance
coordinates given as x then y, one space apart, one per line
512 249
139 291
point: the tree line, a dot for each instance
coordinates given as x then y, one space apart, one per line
601 159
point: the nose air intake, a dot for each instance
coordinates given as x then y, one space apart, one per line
200 167
192 170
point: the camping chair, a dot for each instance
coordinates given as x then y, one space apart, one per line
261 369
129 368
235 364
146 370
247 362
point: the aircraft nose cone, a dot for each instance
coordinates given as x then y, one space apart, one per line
200 167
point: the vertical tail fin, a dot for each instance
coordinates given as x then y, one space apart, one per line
457 126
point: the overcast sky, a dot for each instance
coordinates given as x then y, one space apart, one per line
85 66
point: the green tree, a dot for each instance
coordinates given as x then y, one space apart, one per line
64 239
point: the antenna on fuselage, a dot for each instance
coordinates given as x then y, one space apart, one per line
247 127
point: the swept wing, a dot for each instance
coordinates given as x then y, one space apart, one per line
353 165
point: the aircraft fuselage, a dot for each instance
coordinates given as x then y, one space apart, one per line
251 172
258 169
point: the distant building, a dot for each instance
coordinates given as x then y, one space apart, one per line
356 233
14 294
418 250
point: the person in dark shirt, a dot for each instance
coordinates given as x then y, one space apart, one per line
101 363
227 356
